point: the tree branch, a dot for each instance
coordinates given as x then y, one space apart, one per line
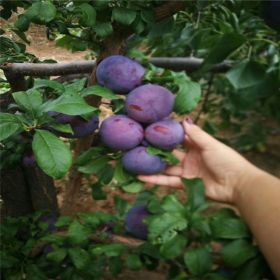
206 98
49 69
127 241
115 44
168 9
189 64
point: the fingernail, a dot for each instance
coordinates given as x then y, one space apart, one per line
189 120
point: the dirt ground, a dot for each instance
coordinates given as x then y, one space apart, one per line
41 47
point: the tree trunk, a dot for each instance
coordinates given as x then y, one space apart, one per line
113 45
23 190
15 194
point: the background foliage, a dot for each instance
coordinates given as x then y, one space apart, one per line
182 235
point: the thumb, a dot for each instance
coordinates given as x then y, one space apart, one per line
199 137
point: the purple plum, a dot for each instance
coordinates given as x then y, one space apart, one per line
134 222
166 134
80 126
29 160
50 219
62 118
139 161
121 133
149 103
48 249
119 73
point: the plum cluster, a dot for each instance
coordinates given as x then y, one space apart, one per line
146 121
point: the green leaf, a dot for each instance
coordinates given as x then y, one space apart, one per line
164 227
78 233
95 165
22 23
238 252
57 255
120 175
225 213
195 192
97 192
138 25
89 219
115 265
7 260
72 43
133 262
43 11
174 247
154 205
111 250
198 261
63 221
170 204
66 128
161 28
105 175
99 91
79 257
148 15
69 104
253 269
150 250
41 83
21 35
9 125
30 100
166 156
187 97
52 155
123 15
75 87
103 29
228 43
216 276
90 154
201 225
88 16
133 187
229 228
246 74
121 205
33 272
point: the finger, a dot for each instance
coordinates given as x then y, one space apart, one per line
188 142
174 170
179 155
199 137
162 180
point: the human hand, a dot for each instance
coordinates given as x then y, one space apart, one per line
222 169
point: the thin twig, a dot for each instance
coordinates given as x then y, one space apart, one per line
206 98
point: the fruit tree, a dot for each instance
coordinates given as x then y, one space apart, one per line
150 63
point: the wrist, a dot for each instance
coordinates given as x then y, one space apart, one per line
251 176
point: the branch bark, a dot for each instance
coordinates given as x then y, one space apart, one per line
206 98
189 64
115 44
127 241
49 69
24 190
168 9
